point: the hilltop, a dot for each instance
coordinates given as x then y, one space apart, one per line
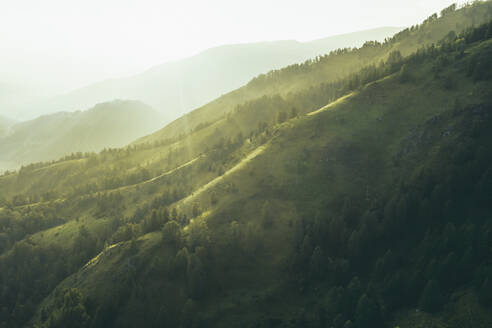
52 136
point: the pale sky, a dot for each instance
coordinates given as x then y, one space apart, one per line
64 44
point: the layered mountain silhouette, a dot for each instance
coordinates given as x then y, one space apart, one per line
177 87
112 124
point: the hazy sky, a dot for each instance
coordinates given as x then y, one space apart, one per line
69 43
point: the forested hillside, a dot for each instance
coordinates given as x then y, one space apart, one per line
358 201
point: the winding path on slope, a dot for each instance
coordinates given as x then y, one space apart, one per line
254 154
122 187
157 177
218 179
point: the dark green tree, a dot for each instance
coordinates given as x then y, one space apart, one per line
293 112
485 293
404 75
367 313
171 233
281 117
432 298
72 312
266 215
196 275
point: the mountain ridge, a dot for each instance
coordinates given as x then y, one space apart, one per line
328 68
51 136
263 56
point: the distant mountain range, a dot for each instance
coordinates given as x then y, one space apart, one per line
171 89
177 87
49 137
